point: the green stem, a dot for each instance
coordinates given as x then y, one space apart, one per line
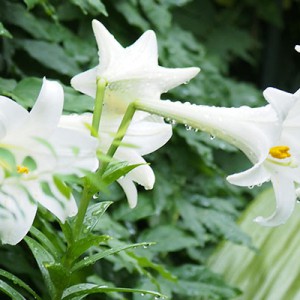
101 86
119 136
87 194
83 206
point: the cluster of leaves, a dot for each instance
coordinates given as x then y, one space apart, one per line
192 208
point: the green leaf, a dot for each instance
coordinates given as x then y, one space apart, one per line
85 289
8 290
75 102
60 61
26 91
43 258
164 235
32 3
93 215
82 245
45 242
198 281
89 260
19 282
7 85
93 7
4 32
117 170
146 263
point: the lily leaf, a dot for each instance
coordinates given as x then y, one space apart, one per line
89 288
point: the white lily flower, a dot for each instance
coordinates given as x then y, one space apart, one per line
143 136
268 136
131 73
40 150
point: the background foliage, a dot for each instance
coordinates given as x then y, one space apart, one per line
240 46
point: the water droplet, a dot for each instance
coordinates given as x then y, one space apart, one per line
188 127
142 294
212 137
95 196
250 187
196 130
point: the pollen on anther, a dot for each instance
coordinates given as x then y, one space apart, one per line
280 152
22 169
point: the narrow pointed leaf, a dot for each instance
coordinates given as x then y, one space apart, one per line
88 289
89 260
10 291
18 281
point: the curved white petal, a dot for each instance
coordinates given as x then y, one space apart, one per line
109 48
46 112
58 205
281 101
143 174
85 82
172 77
148 135
144 50
12 115
285 194
253 130
251 177
130 191
17 213
76 121
75 150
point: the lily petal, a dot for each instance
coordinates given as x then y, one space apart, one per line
148 135
230 124
85 82
284 189
281 101
11 115
108 47
143 174
47 110
130 191
17 213
76 151
256 175
58 205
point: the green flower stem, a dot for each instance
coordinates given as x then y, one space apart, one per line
101 86
119 136
87 194
83 206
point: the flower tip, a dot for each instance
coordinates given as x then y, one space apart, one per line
297 48
267 222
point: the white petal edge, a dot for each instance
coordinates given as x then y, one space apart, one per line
281 101
85 82
59 206
285 195
14 228
129 190
47 110
256 175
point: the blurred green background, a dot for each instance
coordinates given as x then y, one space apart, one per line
241 47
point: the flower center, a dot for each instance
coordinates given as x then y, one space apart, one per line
22 169
280 152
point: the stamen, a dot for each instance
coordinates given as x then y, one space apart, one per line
22 169
280 152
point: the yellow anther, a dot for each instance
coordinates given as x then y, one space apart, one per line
22 169
280 152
